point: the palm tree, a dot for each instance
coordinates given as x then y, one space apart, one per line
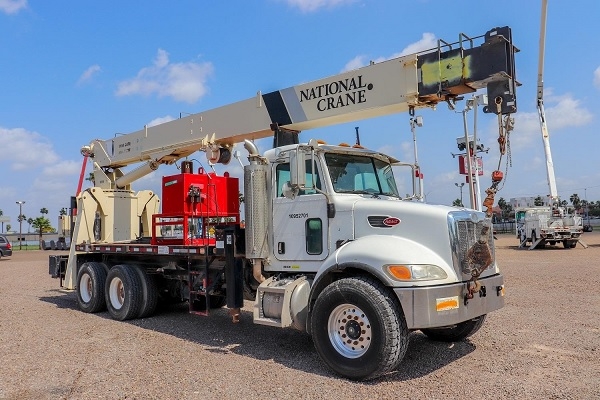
29 222
90 178
44 210
538 201
576 201
63 211
1 213
457 203
42 224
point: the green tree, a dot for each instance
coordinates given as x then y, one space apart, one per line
576 201
2 213
44 211
457 203
63 211
538 201
90 178
8 227
29 222
42 225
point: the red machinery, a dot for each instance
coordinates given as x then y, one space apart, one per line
192 204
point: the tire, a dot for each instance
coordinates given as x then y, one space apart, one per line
457 333
91 279
149 293
372 341
123 291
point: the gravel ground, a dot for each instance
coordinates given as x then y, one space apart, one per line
545 344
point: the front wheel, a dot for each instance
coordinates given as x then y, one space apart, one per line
456 333
358 328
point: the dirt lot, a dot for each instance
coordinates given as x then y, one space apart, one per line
545 344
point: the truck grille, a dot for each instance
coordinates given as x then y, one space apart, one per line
466 228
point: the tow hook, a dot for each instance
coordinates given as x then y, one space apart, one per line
500 290
472 287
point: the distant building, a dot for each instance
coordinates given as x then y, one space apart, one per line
520 202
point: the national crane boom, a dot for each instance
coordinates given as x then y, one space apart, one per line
397 85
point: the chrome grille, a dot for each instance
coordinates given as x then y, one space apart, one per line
465 230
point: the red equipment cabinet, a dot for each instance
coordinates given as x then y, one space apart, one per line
218 195
191 203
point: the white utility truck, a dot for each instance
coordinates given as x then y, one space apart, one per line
326 244
544 224
547 224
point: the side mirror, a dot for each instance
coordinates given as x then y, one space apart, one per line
289 192
297 169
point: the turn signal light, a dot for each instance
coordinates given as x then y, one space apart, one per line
401 272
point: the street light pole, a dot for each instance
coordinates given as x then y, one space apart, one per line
20 203
460 186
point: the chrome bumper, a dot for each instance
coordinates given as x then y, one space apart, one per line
437 306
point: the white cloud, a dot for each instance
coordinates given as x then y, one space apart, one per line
65 167
313 5
88 74
427 42
355 63
180 81
160 120
597 77
562 111
12 6
25 150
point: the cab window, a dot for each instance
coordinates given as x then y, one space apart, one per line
283 176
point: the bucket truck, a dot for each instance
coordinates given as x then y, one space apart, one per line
549 224
326 245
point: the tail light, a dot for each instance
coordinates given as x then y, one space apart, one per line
8 246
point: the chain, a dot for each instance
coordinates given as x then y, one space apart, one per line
504 128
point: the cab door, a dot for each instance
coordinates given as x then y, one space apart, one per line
300 225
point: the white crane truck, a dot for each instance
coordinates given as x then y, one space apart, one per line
551 224
326 246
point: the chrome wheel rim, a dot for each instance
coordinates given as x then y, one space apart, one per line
349 331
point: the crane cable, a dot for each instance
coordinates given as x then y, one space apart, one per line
505 126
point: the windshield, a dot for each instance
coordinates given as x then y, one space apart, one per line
360 174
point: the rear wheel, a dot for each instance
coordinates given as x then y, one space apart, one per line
149 293
358 328
123 292
91 278
456 333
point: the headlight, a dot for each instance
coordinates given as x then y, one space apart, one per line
416 272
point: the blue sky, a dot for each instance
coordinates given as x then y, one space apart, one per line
74 71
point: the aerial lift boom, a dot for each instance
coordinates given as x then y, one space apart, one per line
540 107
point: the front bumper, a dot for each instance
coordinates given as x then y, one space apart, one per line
438 306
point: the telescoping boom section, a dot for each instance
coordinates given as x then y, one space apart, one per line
393 86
